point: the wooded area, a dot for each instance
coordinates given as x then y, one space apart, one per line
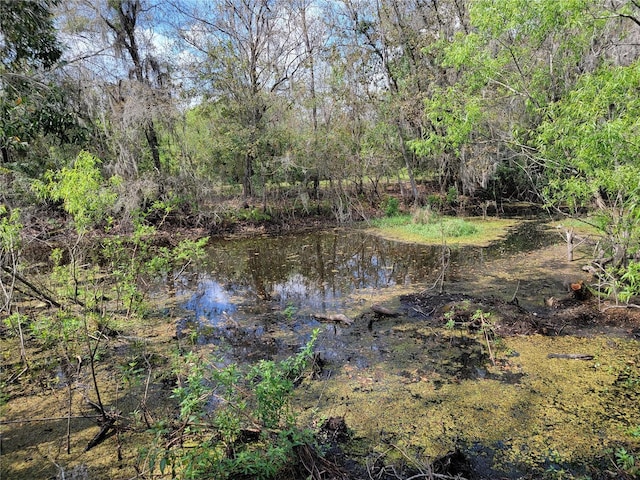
292 107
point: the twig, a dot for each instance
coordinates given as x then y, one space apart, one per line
145 409
428 469
16 376
446 256
184 267
30 285
486 336
92 353
47 419
421 312
513 298
69 419
629 305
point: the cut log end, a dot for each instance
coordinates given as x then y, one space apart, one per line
579 290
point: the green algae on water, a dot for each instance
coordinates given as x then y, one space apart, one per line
524 409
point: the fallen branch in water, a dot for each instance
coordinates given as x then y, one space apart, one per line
383 311
102 434
333 317
37 291
571 356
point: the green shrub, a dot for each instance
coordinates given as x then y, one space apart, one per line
391 207
629 282
435 202
452 195
234 423
81 189
252 215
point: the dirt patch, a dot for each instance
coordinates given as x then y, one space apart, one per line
567 316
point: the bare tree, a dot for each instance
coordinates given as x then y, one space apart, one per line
246 53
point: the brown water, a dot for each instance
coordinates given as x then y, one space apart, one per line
328 272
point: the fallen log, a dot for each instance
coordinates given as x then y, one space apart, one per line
38 292
333 317
383 311
571 356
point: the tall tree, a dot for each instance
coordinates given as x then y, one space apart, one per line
305 14
516 59
150 77
115 57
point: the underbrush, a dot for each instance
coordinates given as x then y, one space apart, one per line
234 422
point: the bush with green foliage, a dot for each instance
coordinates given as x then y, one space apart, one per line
591 147
435 202
81 189
391 207
452 195
234 422
130 259
10 249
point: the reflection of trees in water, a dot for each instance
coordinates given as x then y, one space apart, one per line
319 271
320 267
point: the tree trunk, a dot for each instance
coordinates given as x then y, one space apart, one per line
152 140
407 162
247 189
570 237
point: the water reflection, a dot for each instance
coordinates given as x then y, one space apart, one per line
211 301
317 271
325 271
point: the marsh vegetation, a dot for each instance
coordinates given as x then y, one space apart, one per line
311 239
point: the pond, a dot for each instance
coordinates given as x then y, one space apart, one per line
328 272
409 387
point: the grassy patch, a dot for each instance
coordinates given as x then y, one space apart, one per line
452 230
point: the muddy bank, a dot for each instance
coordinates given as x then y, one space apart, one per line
565 315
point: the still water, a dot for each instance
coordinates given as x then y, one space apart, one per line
331 271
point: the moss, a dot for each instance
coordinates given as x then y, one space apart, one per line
523 409
37 407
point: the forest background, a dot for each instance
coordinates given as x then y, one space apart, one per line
185 101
